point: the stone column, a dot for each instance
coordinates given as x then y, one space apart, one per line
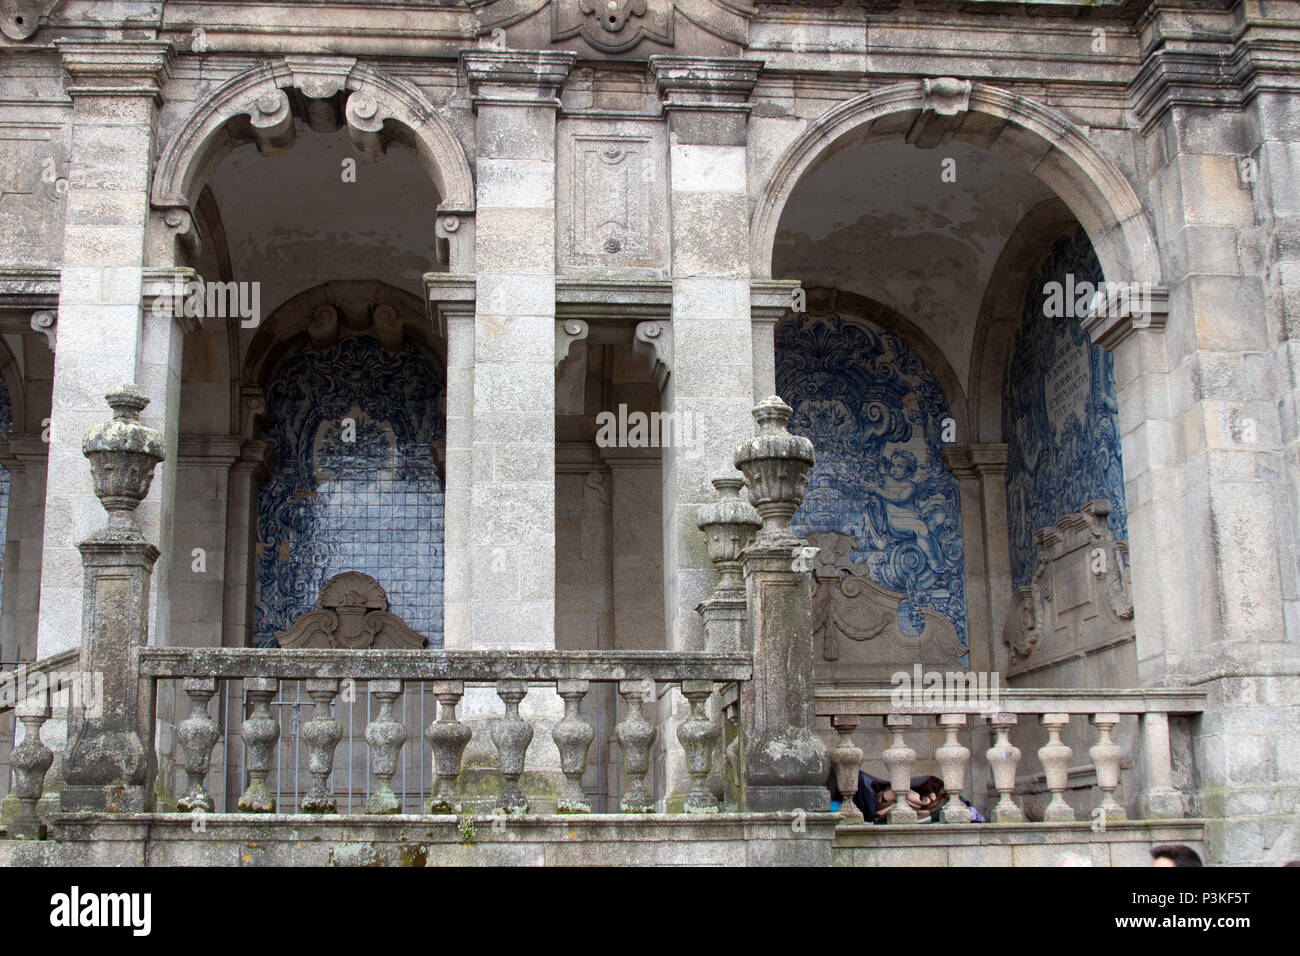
109 753
785 760
247 473
103 338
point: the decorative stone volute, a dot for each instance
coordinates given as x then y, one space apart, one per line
729 525
775 464
123 454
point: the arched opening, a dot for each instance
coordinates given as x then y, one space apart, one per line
916 412
354 486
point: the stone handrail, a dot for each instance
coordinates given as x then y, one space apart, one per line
58 663
511 672
1052 707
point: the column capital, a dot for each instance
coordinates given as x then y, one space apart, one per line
516 77
449 296
976 460
18 451
705 83
115 67
771 300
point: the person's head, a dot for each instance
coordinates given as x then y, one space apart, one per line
1174 854
1073 859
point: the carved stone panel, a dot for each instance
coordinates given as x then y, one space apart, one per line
1078 601
351 613
614 217
856 633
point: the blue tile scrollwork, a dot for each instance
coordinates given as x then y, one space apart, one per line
874 412
338 500
1059 413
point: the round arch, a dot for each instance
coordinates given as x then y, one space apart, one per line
844 302
1037 138
260 106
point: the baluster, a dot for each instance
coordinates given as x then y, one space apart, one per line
900 759
260 731
1106 755
198 734
696 734
731 728
1055 758
1003 758
385 737
953 758
322 734
717 779
30 761
635 737
448 737
847 761
512 735
1159 798
572 735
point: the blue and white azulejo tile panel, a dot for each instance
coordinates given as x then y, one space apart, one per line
364 496
875 412
1059 413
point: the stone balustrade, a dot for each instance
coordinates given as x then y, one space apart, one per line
637 675
1053 709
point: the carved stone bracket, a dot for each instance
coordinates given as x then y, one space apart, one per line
1125 313
653 342
351 612
944 101
568 331
45 321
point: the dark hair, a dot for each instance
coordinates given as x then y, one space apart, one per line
1179 854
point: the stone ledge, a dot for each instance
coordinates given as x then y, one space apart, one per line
169 839
1010 844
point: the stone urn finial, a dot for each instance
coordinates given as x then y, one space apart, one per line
123 454
729 525
776 465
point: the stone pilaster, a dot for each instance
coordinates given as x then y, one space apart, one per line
24 457
451 301
785 760
980 470
706 102
247 473
1200 389
512 501
103 338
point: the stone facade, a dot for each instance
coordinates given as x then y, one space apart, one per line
478 304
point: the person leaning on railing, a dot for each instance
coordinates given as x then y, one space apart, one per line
875 797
